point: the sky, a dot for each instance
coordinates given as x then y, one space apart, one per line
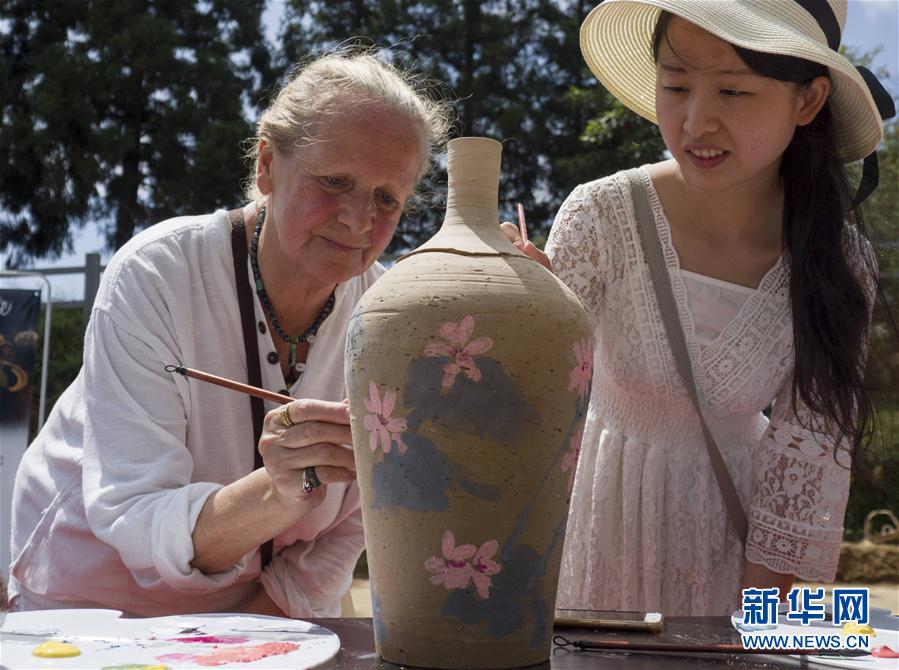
869 24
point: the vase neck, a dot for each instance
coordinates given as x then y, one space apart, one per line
473 168
471 225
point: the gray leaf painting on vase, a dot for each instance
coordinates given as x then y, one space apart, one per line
516 588
419 477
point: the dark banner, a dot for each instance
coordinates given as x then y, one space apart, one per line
19 310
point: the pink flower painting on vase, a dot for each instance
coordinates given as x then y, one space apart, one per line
453 570
383 427
569 460
581 374
463 564
459 350
483 568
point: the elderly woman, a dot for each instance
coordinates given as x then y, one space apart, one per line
143 493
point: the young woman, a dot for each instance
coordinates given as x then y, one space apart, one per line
773 285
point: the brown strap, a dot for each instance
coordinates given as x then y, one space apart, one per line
248 320
652 251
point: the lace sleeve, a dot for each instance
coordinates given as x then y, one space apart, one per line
574 249
799 496
802 476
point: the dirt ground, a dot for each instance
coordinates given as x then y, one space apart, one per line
882 595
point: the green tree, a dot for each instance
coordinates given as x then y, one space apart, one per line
874 481
882 209
121 111
881 212
517 74
67 350
874 484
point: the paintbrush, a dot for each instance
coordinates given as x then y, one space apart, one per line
698 648
254 391
521 226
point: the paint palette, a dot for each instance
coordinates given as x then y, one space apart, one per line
107 641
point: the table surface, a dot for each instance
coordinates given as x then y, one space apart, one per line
357 650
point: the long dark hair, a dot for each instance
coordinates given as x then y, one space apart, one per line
829 308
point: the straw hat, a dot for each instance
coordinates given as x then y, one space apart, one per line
616 40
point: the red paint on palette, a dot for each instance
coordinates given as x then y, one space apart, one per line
213 639
244 654
883 651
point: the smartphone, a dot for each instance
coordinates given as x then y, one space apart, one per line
602 619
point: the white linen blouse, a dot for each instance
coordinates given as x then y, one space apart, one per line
107 496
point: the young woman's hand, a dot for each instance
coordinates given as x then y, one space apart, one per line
757 576
511 231
303 434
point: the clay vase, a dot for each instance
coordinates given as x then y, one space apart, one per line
468 370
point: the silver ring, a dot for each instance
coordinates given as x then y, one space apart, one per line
310 479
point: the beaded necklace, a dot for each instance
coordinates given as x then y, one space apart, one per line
293 340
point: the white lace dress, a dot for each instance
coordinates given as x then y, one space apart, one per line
648 529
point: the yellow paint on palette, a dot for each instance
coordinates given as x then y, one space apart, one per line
134 666
53 649
855 628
